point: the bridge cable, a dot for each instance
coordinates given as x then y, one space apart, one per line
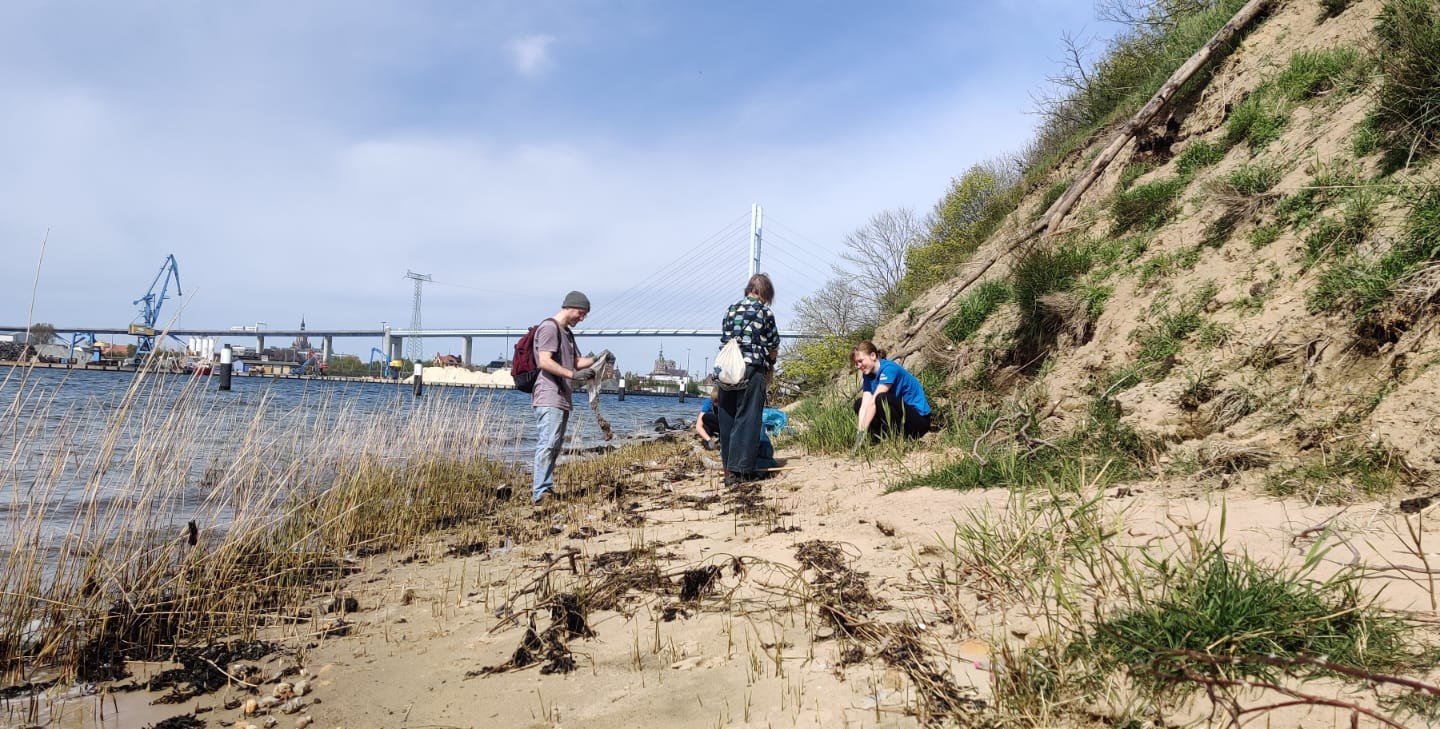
641 297
638 292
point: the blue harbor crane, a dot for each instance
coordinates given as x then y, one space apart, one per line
150 305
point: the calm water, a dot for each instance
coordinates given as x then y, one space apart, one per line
65 434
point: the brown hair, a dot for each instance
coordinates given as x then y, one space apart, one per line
760 287
868 347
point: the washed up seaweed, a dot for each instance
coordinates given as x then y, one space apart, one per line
698 582
202 671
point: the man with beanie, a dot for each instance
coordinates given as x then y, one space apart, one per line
560 363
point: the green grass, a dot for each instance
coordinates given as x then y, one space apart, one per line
1258 120
1110 254
1006 551
1263 235
1343 476
1198 156
1052 194
1254 178
1164 265
1262 116
1249 305
1312 73
1366 138
1161 339
1362 284
1146 206
1242 613
975 307
828 424
1102 450
1133 172
1043 270
1407 111
1339 236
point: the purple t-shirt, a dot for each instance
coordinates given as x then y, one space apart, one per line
551 391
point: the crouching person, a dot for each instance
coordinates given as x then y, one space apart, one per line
892 401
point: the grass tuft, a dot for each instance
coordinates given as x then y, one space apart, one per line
1258 120
1161 339
1408 108
1317 72
1243 613
975 307
1198 156
1254 178
829 424
1361 284
1146 206
1342 476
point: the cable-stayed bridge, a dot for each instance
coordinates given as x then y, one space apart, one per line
684 298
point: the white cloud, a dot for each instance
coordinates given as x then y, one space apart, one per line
531 54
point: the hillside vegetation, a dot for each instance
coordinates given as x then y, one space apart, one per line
1244 299
1257 266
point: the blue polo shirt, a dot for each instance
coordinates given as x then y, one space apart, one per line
901 382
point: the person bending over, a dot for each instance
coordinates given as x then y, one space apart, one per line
707 425
891 399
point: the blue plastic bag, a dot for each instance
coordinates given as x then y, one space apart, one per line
774 421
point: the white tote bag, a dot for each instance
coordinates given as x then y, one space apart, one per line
730 363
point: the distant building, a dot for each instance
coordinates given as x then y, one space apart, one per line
445 360
301 342
665 374
666 368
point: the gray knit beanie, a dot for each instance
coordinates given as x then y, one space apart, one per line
576 300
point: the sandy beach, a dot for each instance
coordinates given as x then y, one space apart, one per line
817 600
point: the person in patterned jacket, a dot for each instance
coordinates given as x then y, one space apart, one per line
741 406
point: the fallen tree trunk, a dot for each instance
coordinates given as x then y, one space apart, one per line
1050 221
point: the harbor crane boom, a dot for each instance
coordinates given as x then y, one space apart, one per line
150 305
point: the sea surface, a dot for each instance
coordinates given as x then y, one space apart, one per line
72 439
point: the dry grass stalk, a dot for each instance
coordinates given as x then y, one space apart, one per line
172 521
1229 406
1416 291
1229 457
1072 312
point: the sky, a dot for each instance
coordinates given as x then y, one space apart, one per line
299 158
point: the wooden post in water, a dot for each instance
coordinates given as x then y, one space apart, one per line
227 356
419 379
620 391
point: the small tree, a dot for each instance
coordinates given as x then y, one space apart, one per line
837 309
877 252
41 333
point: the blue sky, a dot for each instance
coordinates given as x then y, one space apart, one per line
299 158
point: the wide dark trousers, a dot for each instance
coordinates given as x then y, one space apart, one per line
892 415
741 413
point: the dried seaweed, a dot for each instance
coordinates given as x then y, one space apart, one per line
698 582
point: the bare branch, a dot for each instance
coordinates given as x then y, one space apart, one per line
876 250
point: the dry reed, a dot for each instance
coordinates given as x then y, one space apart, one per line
164 517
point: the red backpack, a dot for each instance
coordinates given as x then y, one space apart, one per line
524 367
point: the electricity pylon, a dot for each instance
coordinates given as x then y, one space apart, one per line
414 347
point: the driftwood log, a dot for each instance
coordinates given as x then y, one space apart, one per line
1050 221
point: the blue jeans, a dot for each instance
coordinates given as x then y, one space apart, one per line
549 434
